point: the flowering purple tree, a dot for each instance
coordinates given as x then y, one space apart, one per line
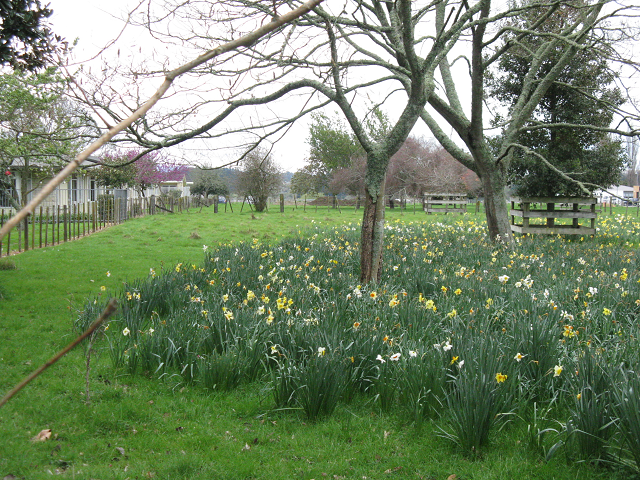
119 169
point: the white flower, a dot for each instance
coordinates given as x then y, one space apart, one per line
126 331
204 248
380 359
593 290
413 353
503 278
395 357
447 346
321 351
460 363
108 273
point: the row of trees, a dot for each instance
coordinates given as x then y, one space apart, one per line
337 164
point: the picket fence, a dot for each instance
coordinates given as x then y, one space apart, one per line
53 225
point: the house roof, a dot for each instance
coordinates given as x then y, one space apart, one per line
19 163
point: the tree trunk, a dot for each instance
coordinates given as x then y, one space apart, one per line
372 235
496 208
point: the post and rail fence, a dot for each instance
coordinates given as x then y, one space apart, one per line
554 215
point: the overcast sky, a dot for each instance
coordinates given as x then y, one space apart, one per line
96 22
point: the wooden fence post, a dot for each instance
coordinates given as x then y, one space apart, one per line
46 230
33 231
1 225
40 243
65 219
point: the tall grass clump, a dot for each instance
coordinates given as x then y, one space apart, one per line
627 410
481 394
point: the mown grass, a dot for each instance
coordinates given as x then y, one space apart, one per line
169 429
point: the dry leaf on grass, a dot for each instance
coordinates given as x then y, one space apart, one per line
43 436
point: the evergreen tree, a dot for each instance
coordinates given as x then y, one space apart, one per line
26 42
581 96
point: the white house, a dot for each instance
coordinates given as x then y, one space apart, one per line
80 187
617 194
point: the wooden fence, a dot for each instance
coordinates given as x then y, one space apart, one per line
567 209
55 225
445 203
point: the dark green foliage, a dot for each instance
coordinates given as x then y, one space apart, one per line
26 42
563 128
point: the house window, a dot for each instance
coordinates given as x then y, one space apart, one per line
92 191
73 189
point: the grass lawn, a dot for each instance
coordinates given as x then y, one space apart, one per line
139 426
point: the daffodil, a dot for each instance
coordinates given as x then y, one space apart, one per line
557 370
518 357
395 357
500 378
126 331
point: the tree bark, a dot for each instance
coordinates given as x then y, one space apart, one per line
372 234
496 207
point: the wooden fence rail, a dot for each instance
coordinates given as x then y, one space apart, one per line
445 203
565 209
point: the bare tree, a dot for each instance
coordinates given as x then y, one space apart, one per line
260 177
361 55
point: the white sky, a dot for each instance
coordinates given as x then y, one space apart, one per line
96 22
